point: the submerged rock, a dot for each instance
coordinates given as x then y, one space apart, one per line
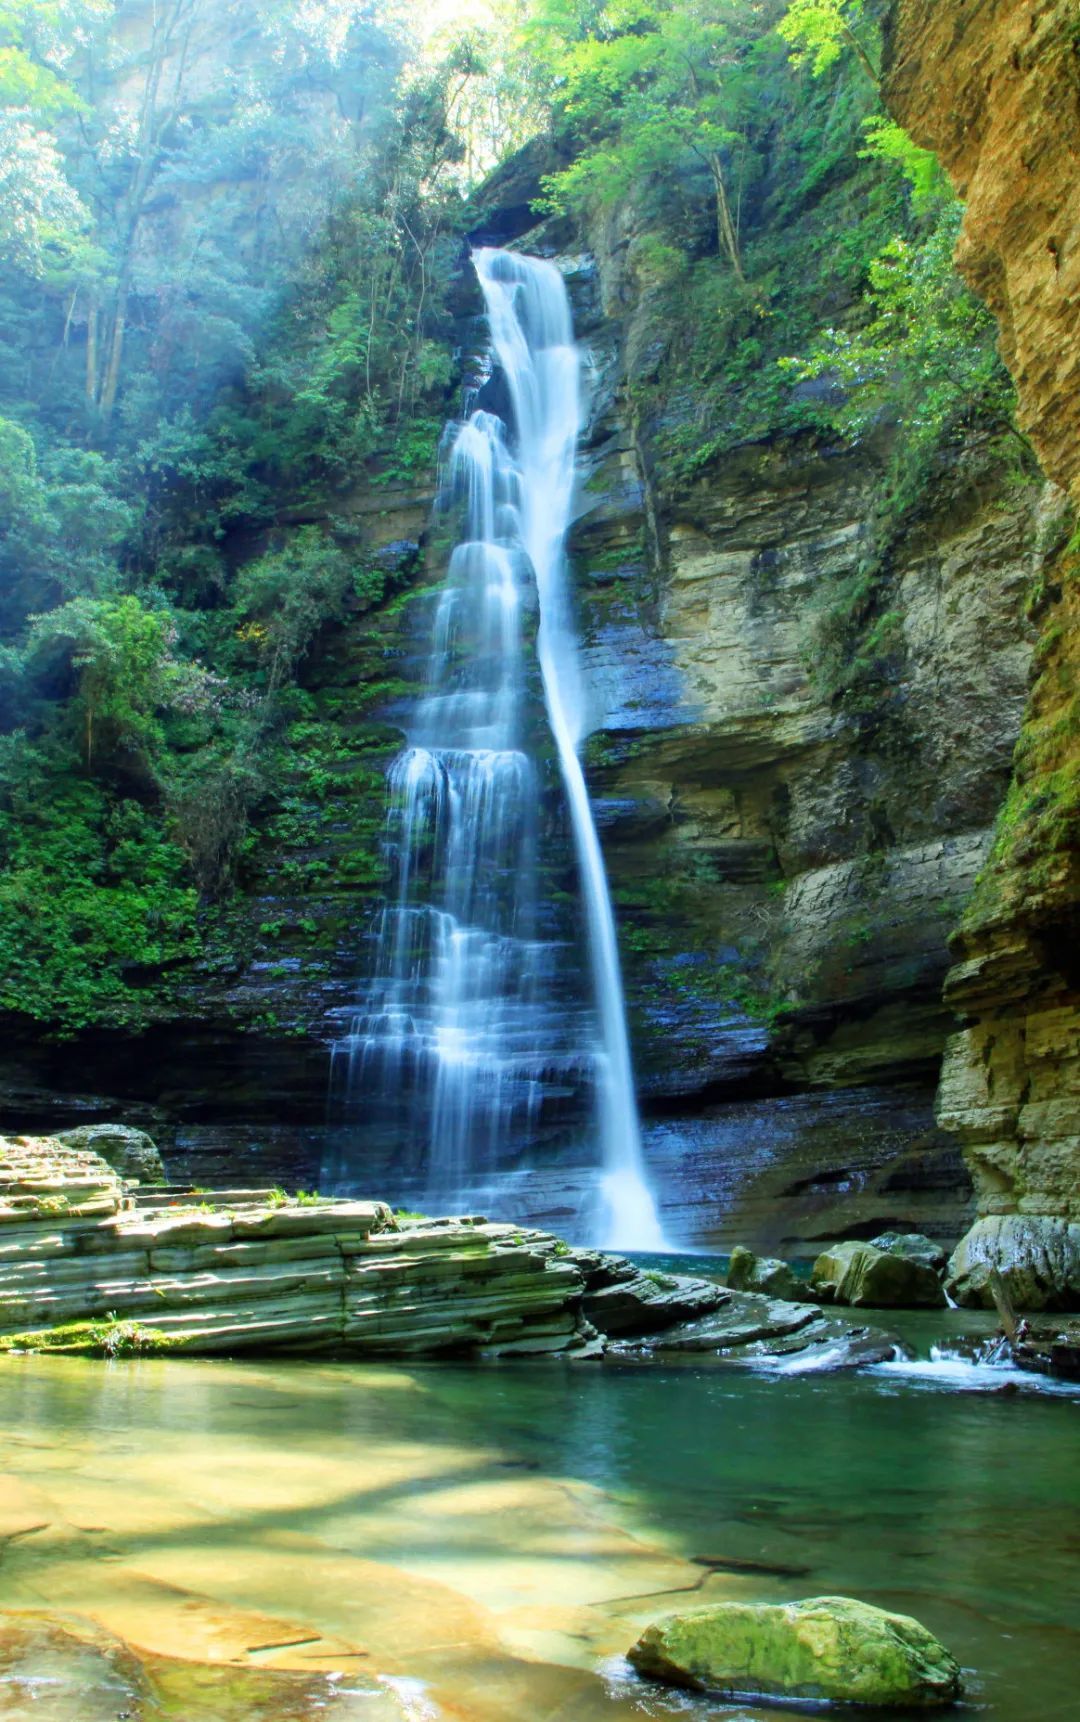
72 1669
765 1274
128 1151
830 1648
1036 1255
865 1275
68 1668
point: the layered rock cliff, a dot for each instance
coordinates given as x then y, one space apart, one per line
995 89
790 855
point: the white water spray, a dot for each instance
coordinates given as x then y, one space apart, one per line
466 1029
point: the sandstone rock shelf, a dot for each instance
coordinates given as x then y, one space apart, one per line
91 1263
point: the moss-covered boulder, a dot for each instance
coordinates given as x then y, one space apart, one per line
829 1648
765 1274
1036 1255
865 1276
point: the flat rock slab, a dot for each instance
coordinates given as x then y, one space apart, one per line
743 1319
649 1302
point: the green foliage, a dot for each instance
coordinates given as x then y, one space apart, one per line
226 236
93 899
819 32
286 596
923 352
655 89
888 142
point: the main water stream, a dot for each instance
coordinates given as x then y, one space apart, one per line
301 1540
466 1031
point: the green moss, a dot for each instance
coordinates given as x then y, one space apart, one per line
108 1338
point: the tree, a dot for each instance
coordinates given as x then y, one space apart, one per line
820 30
652 87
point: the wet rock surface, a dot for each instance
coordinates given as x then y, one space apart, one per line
66 1668
834 1649
748 1329
767 1274
623 1299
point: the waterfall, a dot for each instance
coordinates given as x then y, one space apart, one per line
467 1027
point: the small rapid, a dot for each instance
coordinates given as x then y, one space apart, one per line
479 1026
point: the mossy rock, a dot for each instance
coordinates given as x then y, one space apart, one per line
128 1151
106 1338
766 1274
829 1648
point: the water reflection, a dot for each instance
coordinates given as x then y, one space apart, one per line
501 1535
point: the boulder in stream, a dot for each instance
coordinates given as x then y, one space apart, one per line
766 1274
1036 1255
828 1648
866 1275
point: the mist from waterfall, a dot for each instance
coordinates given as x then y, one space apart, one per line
468 1026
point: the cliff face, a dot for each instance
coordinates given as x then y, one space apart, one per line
788 854
995 89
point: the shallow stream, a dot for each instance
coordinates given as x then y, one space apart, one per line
343 1541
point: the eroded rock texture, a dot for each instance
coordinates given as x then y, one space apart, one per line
995 89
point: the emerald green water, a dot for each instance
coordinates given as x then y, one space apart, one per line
484 1542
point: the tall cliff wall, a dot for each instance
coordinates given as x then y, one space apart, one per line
788 862
994 88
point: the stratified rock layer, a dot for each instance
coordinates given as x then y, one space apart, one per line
82 1269
86 1266
995 90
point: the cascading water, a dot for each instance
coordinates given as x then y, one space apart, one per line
466 1026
